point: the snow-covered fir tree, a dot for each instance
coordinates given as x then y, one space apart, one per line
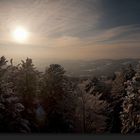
26 82
57 99
11 119
90 111
130 115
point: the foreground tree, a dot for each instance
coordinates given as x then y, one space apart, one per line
27 86
11 119
91 112
27 80
116 99
57 100
130 116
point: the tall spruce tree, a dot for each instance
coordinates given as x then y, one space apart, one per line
27 87
11 119
117 94
58 100
27 81
130 116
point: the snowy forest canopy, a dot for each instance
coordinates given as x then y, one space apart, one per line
52 102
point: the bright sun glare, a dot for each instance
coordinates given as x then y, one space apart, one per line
20 34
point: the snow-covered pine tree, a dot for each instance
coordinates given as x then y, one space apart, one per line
27 86
130 116
11 119
129 72
94 85
11 109
58 100
90 112
116 99
118 90
27 80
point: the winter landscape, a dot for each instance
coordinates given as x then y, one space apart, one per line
70 67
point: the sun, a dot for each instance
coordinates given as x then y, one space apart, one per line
20 34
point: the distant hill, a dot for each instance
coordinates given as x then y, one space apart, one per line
90 68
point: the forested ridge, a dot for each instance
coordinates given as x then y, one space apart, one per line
52 102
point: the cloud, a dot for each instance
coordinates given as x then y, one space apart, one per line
68 23
51 18
127 34
117 42
67 29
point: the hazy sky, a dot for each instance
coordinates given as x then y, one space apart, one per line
71 29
